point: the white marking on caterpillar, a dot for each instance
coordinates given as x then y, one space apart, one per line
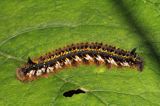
88 57
125 64
58 65
50 69
112 61
67 62
39 72
77 59
32 72
99 58
43 70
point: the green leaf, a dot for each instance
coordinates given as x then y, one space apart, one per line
32 28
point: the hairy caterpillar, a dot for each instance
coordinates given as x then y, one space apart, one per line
75 54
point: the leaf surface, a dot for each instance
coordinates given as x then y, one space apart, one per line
33 28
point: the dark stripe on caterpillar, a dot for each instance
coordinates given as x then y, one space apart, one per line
80 53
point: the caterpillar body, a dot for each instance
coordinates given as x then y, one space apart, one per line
80 53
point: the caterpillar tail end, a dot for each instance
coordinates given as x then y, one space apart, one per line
20 75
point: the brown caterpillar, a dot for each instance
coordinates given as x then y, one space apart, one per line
75 54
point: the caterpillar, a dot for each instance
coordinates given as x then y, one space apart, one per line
80 53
